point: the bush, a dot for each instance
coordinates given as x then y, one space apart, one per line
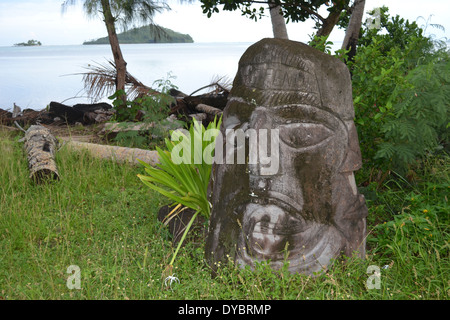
401 94
152 108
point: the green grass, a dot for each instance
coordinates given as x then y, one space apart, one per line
102 218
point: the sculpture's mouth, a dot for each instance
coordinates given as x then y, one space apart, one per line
273 233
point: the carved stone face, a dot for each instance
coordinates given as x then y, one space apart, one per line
306 208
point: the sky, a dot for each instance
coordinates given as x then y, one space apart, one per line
43 20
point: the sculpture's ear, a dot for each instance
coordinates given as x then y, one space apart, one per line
352 161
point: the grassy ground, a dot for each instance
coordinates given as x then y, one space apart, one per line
101 218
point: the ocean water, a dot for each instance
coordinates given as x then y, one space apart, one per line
32 77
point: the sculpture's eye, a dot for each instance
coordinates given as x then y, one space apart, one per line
302 135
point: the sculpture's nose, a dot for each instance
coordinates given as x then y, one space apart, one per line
263 139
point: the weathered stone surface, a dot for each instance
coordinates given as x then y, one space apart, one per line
308 209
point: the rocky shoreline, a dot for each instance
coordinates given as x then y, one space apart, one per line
58 113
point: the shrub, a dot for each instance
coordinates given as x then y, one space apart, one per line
152 108
401 94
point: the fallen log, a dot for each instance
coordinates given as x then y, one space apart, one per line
40 146
200 117
216 100
26 117
208 109
115 153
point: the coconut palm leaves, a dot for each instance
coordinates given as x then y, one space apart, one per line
100 81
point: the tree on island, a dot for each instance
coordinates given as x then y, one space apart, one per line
126 12
29 43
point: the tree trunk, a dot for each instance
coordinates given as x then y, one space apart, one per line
40 146
121 65
329 23
353 29
115 153
278 22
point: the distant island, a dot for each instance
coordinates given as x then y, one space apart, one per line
30 43
147 34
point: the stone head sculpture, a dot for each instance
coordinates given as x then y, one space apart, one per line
298 200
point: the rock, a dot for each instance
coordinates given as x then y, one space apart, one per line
67 113
177 225
92 107
291 194
84 113
89 117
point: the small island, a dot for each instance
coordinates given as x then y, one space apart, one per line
147 34
30 43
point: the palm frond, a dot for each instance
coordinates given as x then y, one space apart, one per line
218 84
100 81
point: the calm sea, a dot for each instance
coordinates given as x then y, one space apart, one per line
32 77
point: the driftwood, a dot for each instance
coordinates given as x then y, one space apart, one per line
115 153
61 114
26 117
200 117
208 109
5 115
40 146
16 111
218 101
